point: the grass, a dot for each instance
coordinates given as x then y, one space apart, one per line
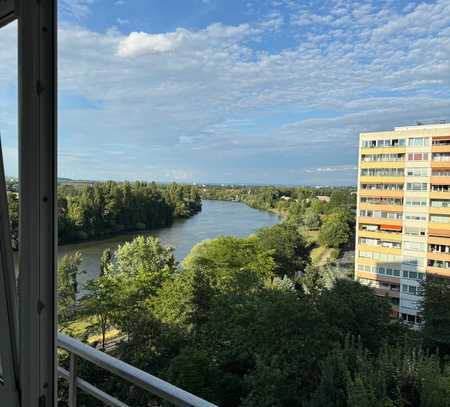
79 327
322 255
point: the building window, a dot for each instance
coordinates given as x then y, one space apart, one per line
441 156
417 186
440 218
413 275
440 188
416 202
418 156
416 216
417 172
442 264
410 289
388 187
383 143
442 203
418 142
380 214
411 231
414 246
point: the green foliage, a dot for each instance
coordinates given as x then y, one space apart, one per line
335 230
436 313
233 264
68 271
87 211
395 376
289 249
311 218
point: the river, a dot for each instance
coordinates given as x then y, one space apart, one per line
217 218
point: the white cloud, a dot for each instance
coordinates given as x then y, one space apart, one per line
75 8
211 94
335 168
141 43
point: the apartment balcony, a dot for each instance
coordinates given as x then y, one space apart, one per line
440 148
383 150
379 249
382 164
438 180
130 374
379 221
439 210
383 292
377 277
386 193
439 195
439 240
384 207
380 235
381 179
438 271
438 256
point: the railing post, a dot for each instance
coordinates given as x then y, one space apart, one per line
73 380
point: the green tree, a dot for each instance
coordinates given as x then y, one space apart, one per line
436 313
99 302
335 231
68 271
311 218
289 249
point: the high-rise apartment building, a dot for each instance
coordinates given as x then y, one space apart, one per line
403 213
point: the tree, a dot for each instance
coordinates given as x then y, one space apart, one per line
345 308
233 264
68 271
99 303
289 249
436 313
335 231
137 272
311 218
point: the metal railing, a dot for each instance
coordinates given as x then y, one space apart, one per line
131 374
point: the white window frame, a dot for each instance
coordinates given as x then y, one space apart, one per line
35 376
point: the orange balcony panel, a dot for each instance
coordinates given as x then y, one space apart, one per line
383 150
384 208
444 137
367 262
438 226
439 195
376 277
436 232
379 179
380 235
439 211
443 165
438 271
382 164
440 180
381 193
380 221
439 240
440 149
438 256
379 249
386 293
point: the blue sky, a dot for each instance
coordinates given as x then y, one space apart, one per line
267 91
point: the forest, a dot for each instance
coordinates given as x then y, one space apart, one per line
92 210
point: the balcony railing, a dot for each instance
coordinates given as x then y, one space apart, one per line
145 381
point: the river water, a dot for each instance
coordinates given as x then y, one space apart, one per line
217 218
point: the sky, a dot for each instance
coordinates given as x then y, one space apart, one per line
230 91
